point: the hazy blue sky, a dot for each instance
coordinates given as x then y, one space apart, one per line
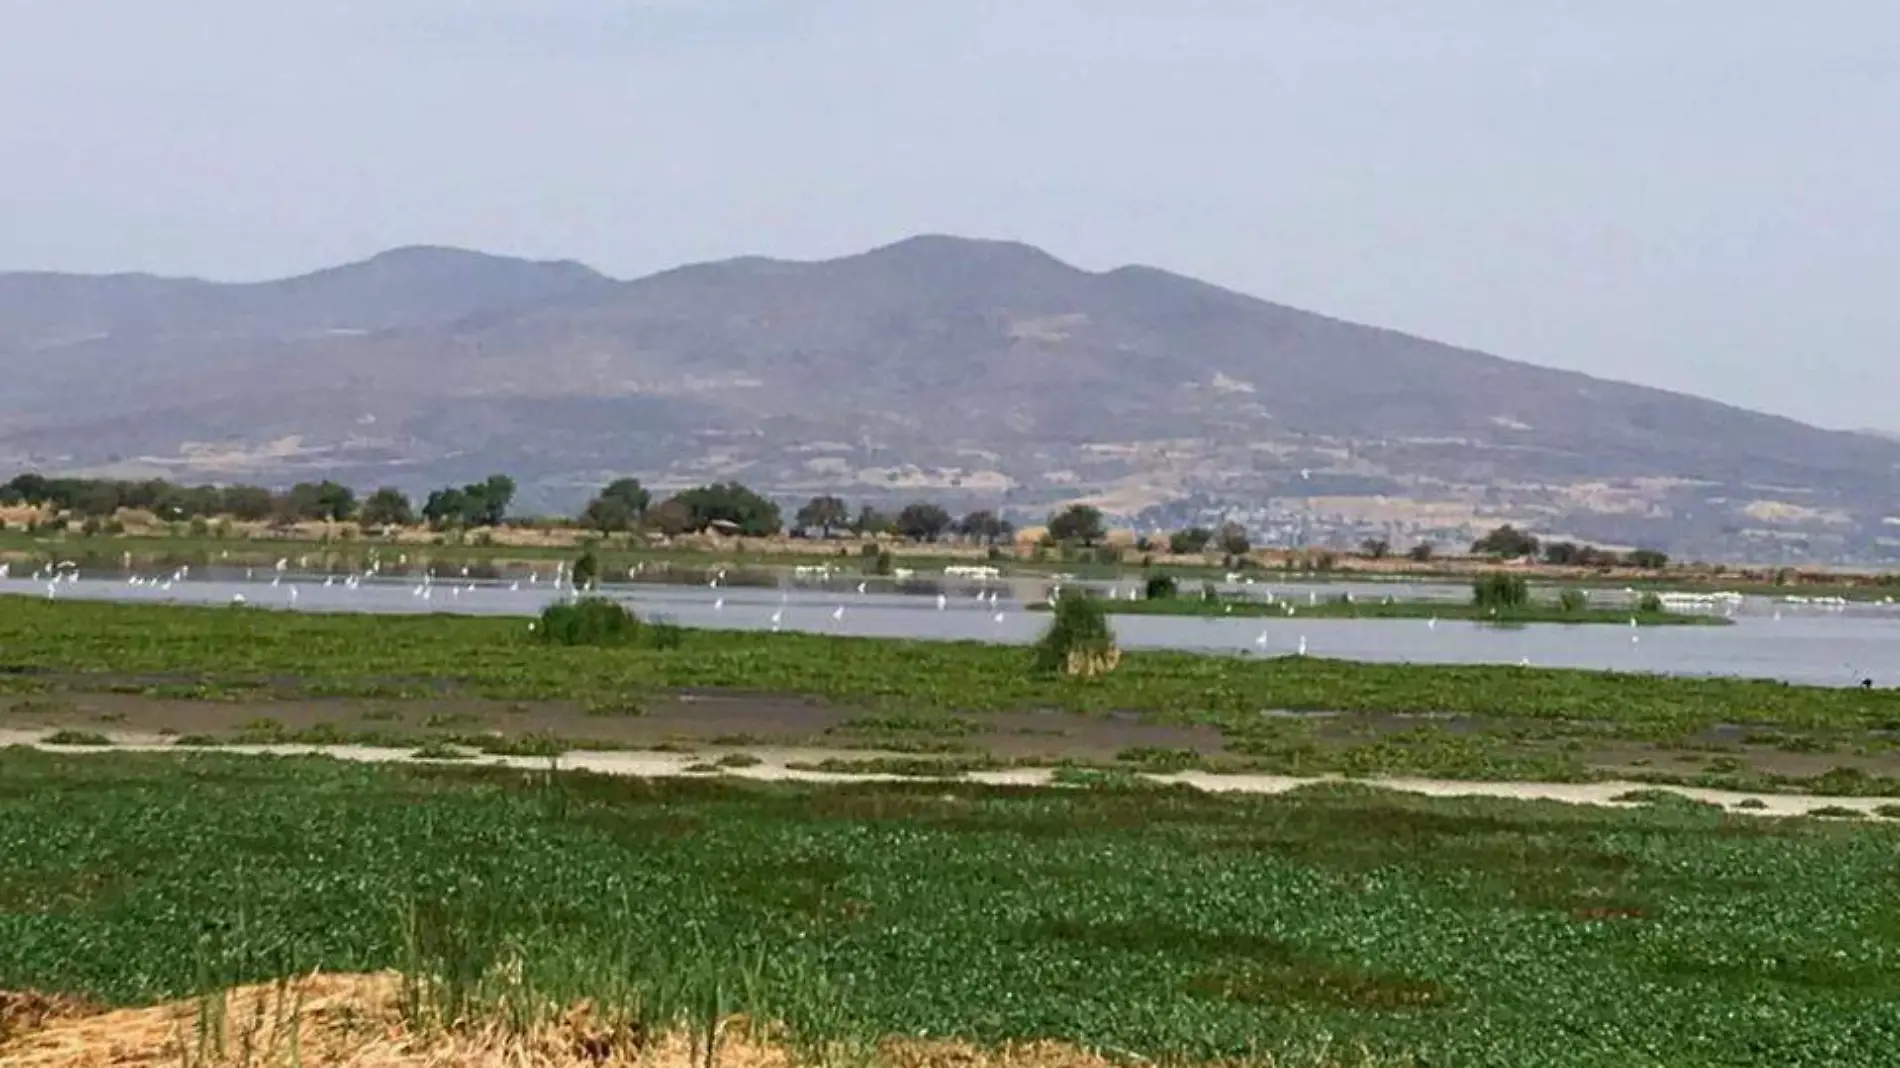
1698 194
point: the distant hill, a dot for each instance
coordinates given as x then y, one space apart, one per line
965 370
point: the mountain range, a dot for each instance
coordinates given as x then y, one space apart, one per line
984 372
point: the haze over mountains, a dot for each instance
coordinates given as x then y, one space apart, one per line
963 370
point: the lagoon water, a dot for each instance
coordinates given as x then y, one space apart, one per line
1817 645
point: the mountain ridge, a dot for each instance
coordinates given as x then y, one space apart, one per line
982 369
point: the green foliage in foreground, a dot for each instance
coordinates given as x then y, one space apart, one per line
1147 920
212 652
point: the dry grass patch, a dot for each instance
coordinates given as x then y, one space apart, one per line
357 1021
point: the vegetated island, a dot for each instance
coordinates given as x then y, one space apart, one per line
1498 599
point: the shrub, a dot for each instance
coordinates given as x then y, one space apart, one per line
1573 601
75 738
586 569
588 621
1079 641
1161 587
1497 591
1651 604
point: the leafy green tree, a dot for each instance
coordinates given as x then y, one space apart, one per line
872 522
922 521
249 503
1234 540
620 506
671 518
823 513
1190 541
317 501
731 502
1375 548
387 507
1506 541
1077 523
478 504
445 508
1647 559
1420 553
489 500
985 526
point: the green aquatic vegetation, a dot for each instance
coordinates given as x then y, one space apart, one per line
251 653
439 751
1163 923
1361 608
72 737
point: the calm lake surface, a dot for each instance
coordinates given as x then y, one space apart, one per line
1823 645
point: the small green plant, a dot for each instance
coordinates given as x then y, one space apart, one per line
1834 812
587 621
586 569
1651 604
1079 641
739 760
438 751
1160 588
1498 591
1573 601
616 708
75 738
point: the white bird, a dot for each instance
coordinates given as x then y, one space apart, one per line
328 581
837 614
1524 661
942 602
719 603
237 598
293 595
1261 641
276 581
1432 623
997 618
1302 645
860 587
514 587
778 615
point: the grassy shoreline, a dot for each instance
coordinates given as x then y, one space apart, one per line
207 651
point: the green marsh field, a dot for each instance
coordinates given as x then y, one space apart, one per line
1338 925
1161 923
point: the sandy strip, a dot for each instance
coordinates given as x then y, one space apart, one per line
773 768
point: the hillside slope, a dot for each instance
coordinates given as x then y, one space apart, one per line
966 369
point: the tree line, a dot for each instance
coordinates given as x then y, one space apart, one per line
1510 543
624 505
482 503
